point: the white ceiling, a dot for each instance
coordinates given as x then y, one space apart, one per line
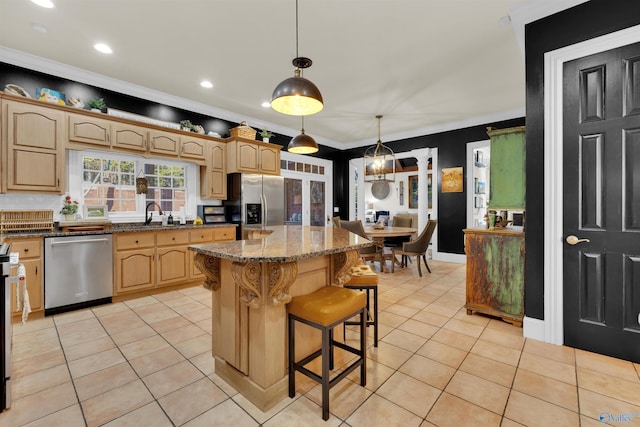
425 65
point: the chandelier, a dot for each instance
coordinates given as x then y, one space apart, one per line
379 161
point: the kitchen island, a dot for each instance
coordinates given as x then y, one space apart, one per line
251 283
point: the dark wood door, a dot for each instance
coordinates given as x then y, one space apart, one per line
601 155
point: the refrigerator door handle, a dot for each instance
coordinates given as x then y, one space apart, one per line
264 210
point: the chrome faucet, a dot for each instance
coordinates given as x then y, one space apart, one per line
149 215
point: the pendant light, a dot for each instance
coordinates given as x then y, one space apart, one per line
379 161
296 95
303 143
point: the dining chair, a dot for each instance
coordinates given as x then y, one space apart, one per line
417 247
373 253
399 221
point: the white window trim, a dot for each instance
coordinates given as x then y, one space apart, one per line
192 183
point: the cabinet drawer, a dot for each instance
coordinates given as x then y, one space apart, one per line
201 236
135 240
177 237
224 233
27 248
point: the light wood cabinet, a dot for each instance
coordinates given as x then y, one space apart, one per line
253 157
163 143
213 176
129 137
86 130
495 273
30 250
193 148
151 259
134 262
172 256
34 141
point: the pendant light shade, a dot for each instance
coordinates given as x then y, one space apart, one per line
296 95
303 143
379 161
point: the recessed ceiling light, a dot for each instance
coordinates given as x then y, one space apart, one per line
206 83
44 3
38 28
266 104
101 47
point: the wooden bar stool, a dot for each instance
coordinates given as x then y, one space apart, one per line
363 278
324 309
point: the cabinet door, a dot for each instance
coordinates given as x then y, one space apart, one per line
128 137
507 169
163 142
33 277
173 265
213 177
88 130
35 148
193 148
247 157
135 270
269 160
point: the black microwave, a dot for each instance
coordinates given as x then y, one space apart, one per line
212 214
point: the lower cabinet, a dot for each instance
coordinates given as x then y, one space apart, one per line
30 250
151 259
495 273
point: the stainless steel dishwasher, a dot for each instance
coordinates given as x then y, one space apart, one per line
78 272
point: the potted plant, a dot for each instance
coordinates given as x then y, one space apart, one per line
98 105
69 208
266 134
186 125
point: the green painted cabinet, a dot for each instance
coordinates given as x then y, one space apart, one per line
495 273
507 169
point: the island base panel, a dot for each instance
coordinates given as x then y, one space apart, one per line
262 398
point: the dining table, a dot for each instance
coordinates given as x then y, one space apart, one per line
378 234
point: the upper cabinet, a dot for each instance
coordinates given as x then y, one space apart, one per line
34 141
129 137
244 155
507 171
193 148
213 176
84 129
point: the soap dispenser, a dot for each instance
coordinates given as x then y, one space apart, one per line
170 219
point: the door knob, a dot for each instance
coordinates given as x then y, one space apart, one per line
573 240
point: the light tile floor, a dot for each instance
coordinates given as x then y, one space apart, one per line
147 362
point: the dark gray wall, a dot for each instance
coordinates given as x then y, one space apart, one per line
580 23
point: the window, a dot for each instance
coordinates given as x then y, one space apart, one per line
109 182
166 186
102 178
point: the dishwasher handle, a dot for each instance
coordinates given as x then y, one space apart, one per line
70 242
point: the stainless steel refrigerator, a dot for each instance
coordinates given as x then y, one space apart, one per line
254 201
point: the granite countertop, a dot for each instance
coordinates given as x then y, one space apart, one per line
286 243
114 228
510 230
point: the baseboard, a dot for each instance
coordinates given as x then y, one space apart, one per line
533 328
448 257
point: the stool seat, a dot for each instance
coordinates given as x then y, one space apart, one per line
362 275
324 309
327 305
365 279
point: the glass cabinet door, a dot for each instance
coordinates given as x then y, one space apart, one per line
293 201
317 211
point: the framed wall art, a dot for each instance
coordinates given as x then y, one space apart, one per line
452 180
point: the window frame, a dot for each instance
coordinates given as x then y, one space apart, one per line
75 177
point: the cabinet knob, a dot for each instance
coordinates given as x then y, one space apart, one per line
173 238
136 242
202 236
26 249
